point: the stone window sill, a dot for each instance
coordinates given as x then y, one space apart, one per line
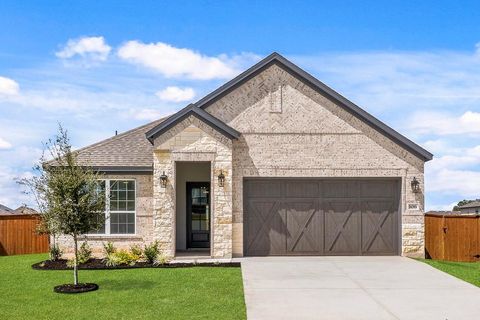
111 237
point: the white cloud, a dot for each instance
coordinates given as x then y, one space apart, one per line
175 62
429 122
437 147
79 101
94 48
464 183
16 163
455 172
4 144
8 87
12 194
175 94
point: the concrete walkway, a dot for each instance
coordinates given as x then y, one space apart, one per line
354 288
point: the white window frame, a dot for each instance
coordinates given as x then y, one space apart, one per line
108 212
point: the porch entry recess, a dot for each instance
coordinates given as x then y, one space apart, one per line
198 215
321 216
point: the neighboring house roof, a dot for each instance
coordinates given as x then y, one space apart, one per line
18 211
25 210
5 208
443 212
128 151
192 110
473 204
343 102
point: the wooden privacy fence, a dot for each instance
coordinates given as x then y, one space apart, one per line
452 237
18 235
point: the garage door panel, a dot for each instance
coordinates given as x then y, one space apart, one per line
265 189
321 217
265 228
377 189
260 214
304 228
379 227
341 228
302 189
339 189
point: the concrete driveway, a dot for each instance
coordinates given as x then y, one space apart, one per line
354 288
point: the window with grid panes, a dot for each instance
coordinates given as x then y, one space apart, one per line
120 207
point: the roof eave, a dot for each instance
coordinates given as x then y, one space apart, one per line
123 169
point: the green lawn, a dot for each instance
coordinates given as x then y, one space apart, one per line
182 293
467 271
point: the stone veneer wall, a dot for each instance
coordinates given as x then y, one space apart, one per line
290 130
192 140
144 220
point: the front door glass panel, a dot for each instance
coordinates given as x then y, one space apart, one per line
200 209
198 214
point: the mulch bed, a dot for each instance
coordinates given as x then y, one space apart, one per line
99 264
79 288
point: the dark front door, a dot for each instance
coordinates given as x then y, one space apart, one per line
198 214
321 217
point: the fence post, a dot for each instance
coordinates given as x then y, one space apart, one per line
444 232
477 247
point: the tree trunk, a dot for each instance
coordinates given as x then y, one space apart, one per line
75 262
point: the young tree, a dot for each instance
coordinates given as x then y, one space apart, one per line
69 196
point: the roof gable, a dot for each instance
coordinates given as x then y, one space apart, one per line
328 92
192 110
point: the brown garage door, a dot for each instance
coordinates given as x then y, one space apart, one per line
321 217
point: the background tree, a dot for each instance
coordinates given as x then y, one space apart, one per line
462 203
69 196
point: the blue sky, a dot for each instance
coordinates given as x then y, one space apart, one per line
101 66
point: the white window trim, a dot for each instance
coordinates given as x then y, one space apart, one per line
107 212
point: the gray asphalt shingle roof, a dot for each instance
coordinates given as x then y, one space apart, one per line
128 149
6 211
5 208
472 204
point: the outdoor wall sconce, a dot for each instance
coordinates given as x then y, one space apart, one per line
163 180
415 185
221 179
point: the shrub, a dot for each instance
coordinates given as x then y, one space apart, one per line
121 257
136 250
112 260
55 253
84 253
109 248
162 260
71 263
151 252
